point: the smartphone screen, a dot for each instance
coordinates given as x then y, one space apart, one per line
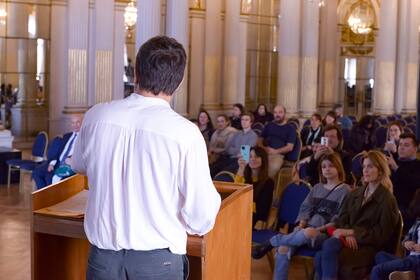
245 150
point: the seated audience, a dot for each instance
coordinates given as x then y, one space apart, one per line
330 118
206 125
262 115
405 174
393 138
235 119
387 263
277 139
318 211
335 144
343 121
245 136
255 172
311 135
365 225
224 132
362 135
58 166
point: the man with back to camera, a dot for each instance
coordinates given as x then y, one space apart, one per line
149 180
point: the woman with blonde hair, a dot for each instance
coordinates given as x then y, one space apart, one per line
365 225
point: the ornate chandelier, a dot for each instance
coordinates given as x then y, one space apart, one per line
130 15
362 18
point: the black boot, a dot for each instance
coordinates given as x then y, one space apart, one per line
260 251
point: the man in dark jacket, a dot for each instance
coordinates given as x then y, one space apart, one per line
405 175
44 173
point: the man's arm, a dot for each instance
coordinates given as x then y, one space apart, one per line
201 200
78 163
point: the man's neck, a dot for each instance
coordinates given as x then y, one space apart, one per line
407 158
245 130
161 95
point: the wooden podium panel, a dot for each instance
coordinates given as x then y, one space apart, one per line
60 248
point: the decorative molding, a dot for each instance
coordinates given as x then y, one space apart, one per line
77 77
103 76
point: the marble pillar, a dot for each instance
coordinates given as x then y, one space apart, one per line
231 52
289 55
149 13
213 56
177 27
386 49
310 38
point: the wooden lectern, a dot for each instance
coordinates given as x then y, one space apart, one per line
60 248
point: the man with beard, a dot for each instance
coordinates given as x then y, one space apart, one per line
278 139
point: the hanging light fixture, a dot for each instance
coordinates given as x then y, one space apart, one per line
130 15
362 18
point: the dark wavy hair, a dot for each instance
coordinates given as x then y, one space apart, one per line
160 65
210 123
263 172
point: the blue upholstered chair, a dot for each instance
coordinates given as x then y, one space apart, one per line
26 166
225 176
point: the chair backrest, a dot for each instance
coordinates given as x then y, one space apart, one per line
39 148
380 134
54 148
294 123
294 155
356 166
307 123
257 125
224 176
293 196
303 171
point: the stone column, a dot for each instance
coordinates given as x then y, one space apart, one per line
386 48
407 56
196 73
309 81
231 53
328 71
77 52
289 55
103 42
177 27
212 56
118 59
149 13
58 69
243 38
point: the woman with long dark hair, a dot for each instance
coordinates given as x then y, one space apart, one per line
205 125
255 172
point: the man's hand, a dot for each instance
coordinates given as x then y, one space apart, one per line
343 232
351 242
416 248
409 245
391 147
50 168
311 232
270 151
68 160
391 162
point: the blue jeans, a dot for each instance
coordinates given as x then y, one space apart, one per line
292 241
387 263
158 264
326 260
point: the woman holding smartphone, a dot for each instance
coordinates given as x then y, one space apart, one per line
365 225
255 172
393 138
318 211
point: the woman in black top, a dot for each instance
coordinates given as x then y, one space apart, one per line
206 126
255 172
262 115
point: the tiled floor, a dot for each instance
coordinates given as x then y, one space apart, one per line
15 238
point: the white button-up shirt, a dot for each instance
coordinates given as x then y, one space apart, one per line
149 180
